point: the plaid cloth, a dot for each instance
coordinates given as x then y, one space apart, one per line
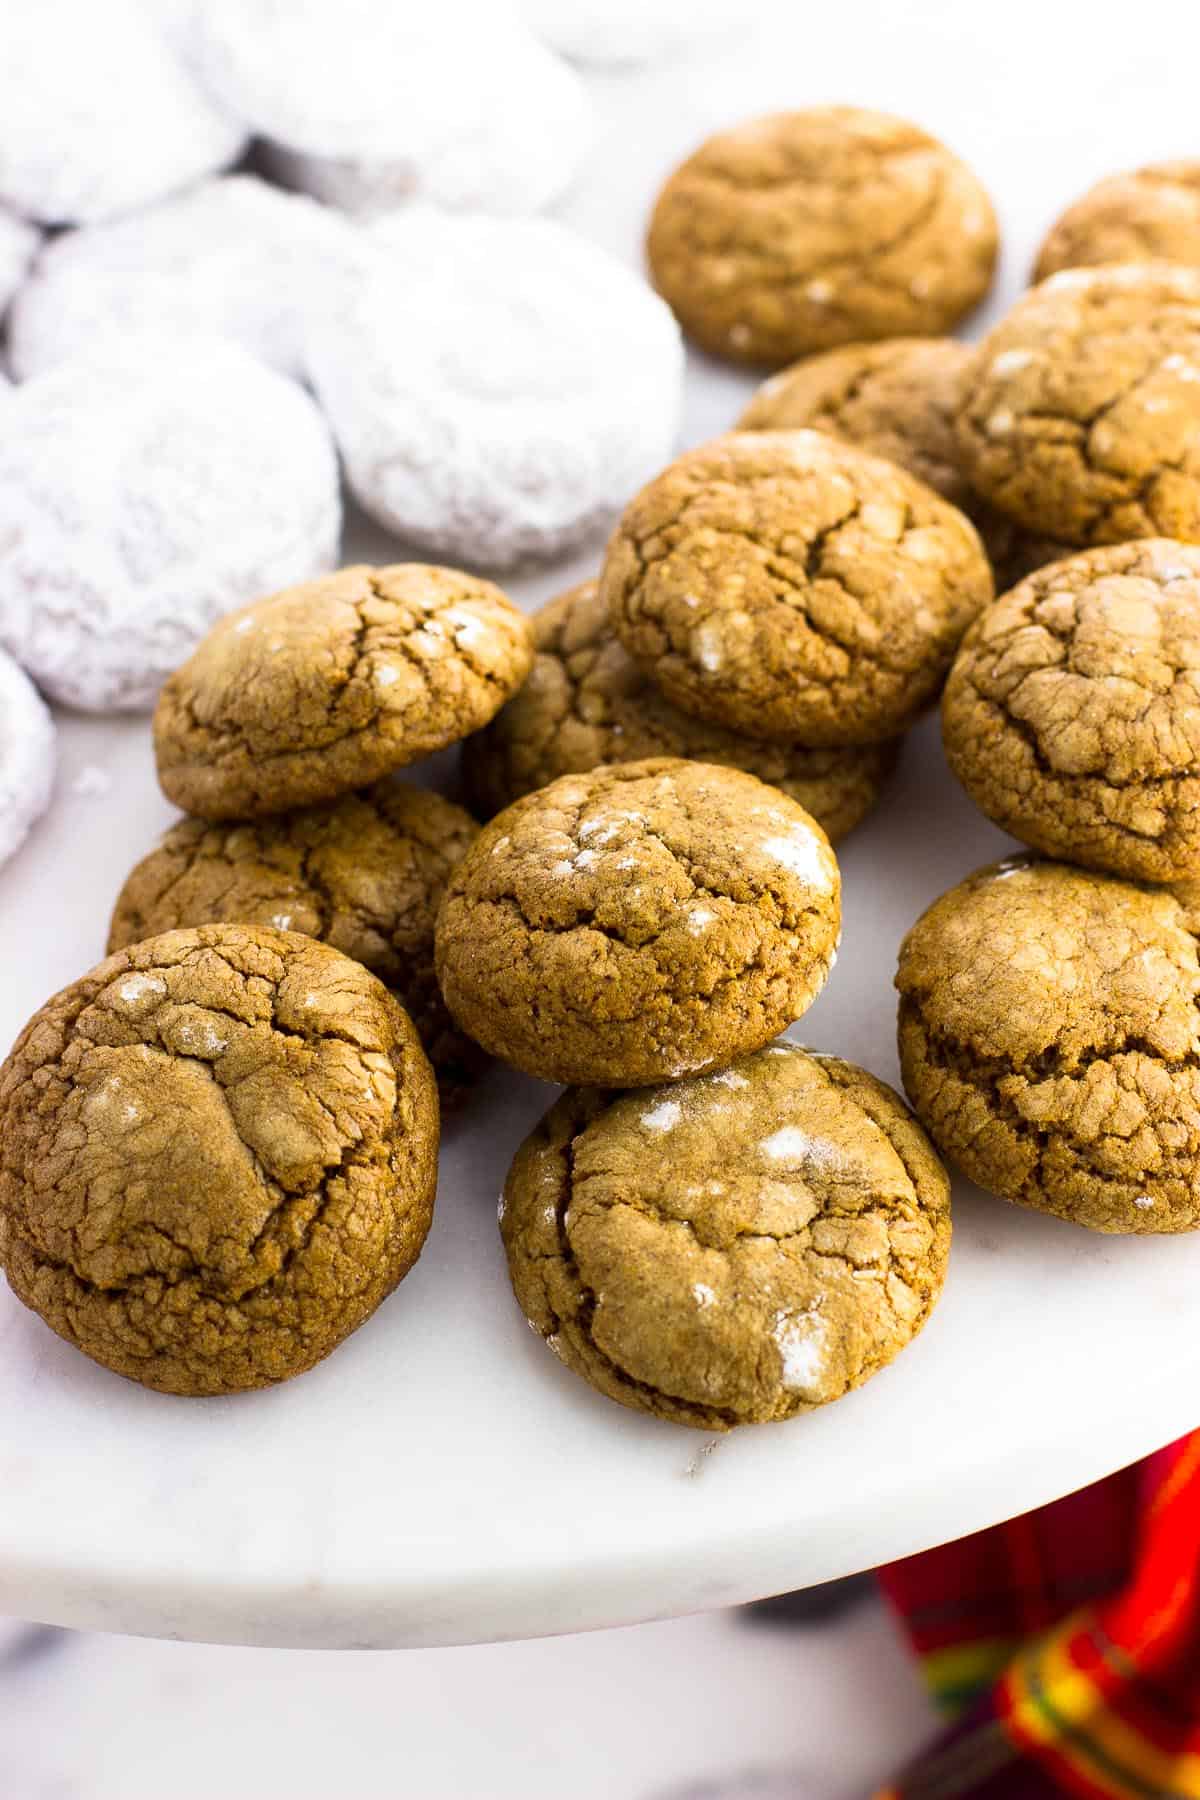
1065 1645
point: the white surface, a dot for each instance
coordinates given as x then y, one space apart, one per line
644 1714
442 1478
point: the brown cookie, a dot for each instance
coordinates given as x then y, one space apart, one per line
785 585
899 399
586 702
644 921
1081 416
218 1154
1071 716
805 230
365 873
1050 1042
731 1249
1146 215
325 687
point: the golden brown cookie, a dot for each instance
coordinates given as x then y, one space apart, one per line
586 702
1081 416
325 687
365 873
1050 1042
899 399
805 230
785 585
642 922
731 1249
218 1154
1072 713
1145 215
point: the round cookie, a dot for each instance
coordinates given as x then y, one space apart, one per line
786 585
239 1252
1145 215
1081 415
804 230
99 113
27 757
232 257
373 107
365 874
645 921
898 399
325 687
146 488
1050 1042
1070 714
731 1249
497 388
586 702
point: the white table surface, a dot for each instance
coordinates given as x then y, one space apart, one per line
442 1478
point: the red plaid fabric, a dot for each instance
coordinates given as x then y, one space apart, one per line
1065 1645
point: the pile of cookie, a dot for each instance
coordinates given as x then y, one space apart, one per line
218 1149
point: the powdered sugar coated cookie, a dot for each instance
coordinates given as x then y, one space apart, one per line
367 105
145 489
27 753
233 256
97 114
18 246
497 388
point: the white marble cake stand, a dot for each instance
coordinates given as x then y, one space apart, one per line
442 1478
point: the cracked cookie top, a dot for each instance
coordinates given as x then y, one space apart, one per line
365 873
242 1250
1081 415
327 686
734 1248
638 923
1072 712
786 585
587 702
804 230
1146 215
1050 1042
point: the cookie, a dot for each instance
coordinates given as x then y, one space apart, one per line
497 388
731 1249
325 687
1081 415
1146 215
27 757
240 1251
99 114
642 922
365 874
586 702
805 230
1050 1042
785 585
147 487
373 107
1070 713
232 257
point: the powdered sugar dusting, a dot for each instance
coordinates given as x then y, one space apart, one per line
663 1117
802 852
802 1339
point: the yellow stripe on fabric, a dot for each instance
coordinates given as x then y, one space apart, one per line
961 1671
1057 1705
